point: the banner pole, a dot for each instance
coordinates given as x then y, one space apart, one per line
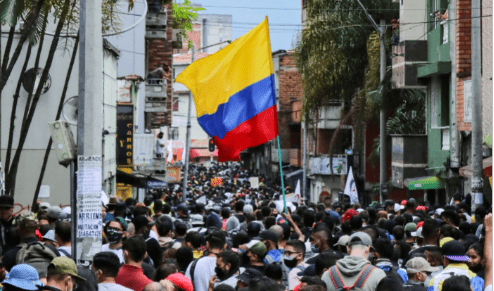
281 173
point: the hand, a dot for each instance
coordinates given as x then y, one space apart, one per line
287 216
212 281
488 223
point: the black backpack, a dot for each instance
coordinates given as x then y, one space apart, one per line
357 286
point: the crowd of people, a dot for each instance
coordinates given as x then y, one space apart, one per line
229 236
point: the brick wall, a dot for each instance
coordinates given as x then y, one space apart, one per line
194 35
460 106
159 53
290 90
463 38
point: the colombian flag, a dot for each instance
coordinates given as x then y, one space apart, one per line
234 93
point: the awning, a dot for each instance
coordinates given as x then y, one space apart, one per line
488 140
424 183
294 173
140 180
197 153
487 165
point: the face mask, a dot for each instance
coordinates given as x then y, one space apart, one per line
114 237
314 249
290 262
220 273
246 258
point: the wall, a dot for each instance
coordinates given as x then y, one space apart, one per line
319 183
486 68
110 89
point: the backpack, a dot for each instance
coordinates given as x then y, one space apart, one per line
357 286
36 254
392 270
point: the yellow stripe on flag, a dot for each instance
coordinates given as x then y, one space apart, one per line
212 80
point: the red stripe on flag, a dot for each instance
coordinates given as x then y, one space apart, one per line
258 130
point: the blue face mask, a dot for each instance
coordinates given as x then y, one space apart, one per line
314 249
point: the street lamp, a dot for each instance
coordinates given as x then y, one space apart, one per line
187 139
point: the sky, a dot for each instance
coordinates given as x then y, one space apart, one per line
284 17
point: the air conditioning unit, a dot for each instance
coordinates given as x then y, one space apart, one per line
63 141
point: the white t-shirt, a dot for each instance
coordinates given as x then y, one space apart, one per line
118 252
203 271
293 278
112 287
65 251
160 149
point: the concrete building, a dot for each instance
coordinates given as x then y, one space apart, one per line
208 29
445 73
56 182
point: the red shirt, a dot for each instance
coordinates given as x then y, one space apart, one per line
132 277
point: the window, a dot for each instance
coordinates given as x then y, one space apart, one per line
176 100
173 133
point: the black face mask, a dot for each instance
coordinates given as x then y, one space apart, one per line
477 268
222 274
114 237
290 262
246 259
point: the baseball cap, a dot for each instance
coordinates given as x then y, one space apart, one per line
63 266
23 276
360 238
141 221
181 281
50 235
269 235
418 233
439 211
411 227
342 241
54 212
249 274
24 217
43 206
6 201
257 247
196 220
455 251
419 264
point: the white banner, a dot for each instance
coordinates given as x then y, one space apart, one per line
351 188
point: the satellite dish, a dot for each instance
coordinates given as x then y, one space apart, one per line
69 110
30 81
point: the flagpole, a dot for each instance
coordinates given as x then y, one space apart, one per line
281 173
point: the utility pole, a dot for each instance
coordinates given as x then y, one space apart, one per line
304 160
189 116
87 200
187 138
383 169
477 164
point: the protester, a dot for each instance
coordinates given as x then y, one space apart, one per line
115 231
131 274
106 266
62 275
63 238
22 277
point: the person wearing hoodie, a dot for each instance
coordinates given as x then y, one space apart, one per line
270 239
349 269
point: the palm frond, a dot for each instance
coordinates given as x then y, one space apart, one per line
5 9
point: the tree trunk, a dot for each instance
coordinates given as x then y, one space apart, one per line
14 110
44 76
59 112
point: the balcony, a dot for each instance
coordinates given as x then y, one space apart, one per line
410 54
408 158
156 21
156 95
